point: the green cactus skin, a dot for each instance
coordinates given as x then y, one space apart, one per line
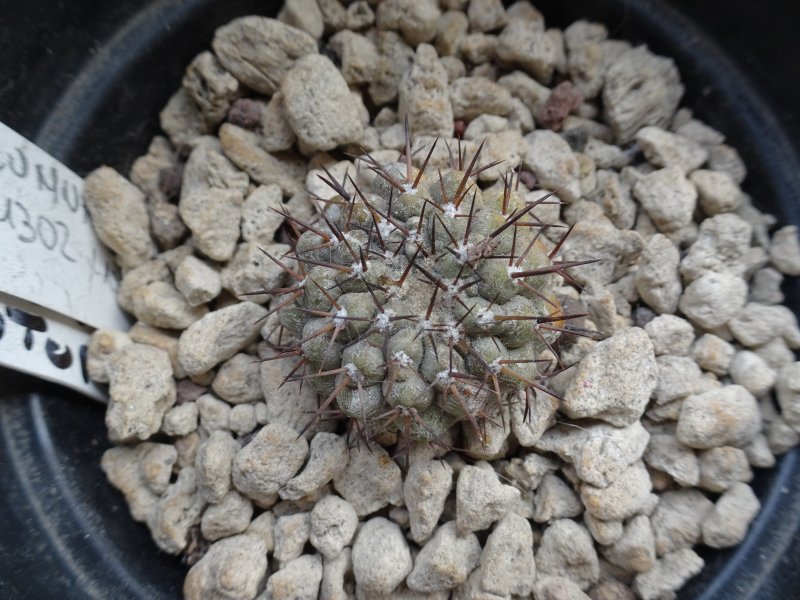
419 303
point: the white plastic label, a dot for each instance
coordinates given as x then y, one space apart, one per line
49 257
49 347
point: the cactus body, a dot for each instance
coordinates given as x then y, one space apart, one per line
422 301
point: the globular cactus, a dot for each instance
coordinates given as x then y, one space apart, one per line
418 304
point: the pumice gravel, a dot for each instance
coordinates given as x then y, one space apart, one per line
361 258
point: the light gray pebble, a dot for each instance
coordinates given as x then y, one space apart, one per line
625 497
231 515
699 132
478 49
678 376
119 216
214 413
294 406
395 58
640 89
713 353
523 87
471 97
213 216
244 148
486 15
529 471
259 219
265 464
180 420
141 391
334 573
784 250
471 589
370 481
234 568
122 466
445 561
781 436
263 527
259 51
614 382
665 149
182 120
490 441
756 324
788 392
603 532
103 343
555 499
450 31
415 20
759 454
668 575
677 519
721 246
213 465
507 562
381 558
333 524
218 336
657 280
159 304
765 288
615 198
670 335
291 535
357 54
210 86
176 512
752 372
606 156
557 588
424 94
299 579
668 198
713 299
238 380
359 15
720 417
541 413
318 104
198 282
146 170
530 48
251 271
635 551
726 524
719 193
207 168
722 467
304 15
615 250
567 550
481 499
242 419
455 68
327 459
554 164
726 159
667 454
600 453
426 487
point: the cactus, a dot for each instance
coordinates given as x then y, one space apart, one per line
420 303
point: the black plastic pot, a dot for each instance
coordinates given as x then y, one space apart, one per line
86 82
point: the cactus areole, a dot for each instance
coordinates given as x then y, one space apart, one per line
422 302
